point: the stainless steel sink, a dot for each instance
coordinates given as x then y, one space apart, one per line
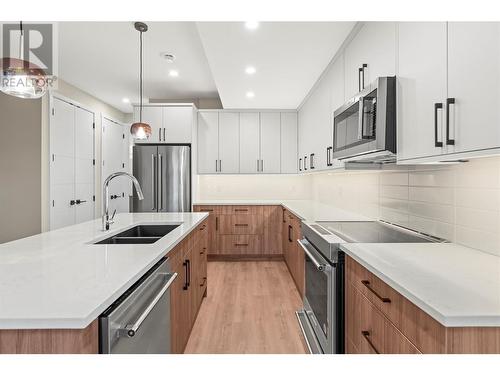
140 234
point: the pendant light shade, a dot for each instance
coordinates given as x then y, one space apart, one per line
21 78
140 130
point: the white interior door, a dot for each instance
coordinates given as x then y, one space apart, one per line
229 140
208 142
249 142
421 84
474 83
62 167
114 159
270 142
84 165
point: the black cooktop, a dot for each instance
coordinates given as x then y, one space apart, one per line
373 232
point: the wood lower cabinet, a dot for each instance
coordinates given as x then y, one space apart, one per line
380 320
243 231
293 254
189 261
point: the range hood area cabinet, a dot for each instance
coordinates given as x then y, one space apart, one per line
448 104
251 142
169 124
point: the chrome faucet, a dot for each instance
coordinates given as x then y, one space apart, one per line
106 221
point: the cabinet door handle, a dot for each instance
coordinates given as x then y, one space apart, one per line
216 166
284 219
153 182
164 135
262 165
159 134
189 272
300 164
311 161
186 283
359 78
328 156
240 244
216 223
449 102
366 335
241 225
207 210
241 210
366 283
305 163
290 233
437 106
220 165
363 67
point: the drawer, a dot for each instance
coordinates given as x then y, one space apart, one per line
370 334
424 332
239 244
205 208
241 210
240 224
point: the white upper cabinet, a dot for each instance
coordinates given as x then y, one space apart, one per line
421 89
169 124
474 85
229 138
288 142
154 117
177 124
249 142
208 142
270 140
374 46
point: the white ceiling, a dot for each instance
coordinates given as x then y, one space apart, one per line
289 58
102 58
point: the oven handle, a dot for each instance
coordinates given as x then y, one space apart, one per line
320 266
131 329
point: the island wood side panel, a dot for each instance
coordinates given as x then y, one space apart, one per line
50 341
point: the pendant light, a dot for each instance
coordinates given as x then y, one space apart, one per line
21 78
140 130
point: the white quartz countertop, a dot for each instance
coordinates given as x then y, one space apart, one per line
456 285
307 210
60 279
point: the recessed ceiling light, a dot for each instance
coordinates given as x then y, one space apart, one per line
173 73
250 70
170 57
251 25
126 100
250 94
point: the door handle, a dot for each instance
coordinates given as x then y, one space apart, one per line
437 106
189 273
216 223
79 201
449 102
164 135
290 233
160 176
153 182
186 282
220 165
366 335
359 79
131 329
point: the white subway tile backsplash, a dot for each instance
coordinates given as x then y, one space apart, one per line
393 216
482 199
432 227
488 221
392 191
432 194
433 211
438 177
394 204
394 178
478 239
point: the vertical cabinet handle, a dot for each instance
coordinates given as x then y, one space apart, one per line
159 134
153 182
185 265
258 165
300 164
163 134
437 106
189 269
283 211
449 102
305 163
160 175
220 165
360 70
216 223
290 233
311 161
363 67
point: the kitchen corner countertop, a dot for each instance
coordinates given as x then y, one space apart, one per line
456 285
60 279
307 210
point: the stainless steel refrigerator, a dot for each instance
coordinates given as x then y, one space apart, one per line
164 173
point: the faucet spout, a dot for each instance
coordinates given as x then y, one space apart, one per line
106 221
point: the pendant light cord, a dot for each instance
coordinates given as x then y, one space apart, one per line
140 76
21 44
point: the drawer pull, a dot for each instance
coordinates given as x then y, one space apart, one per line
241 225
240 244
204 281
207 210
241 209
366 283
366 335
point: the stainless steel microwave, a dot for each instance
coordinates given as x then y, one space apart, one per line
364 128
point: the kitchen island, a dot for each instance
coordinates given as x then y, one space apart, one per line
53 286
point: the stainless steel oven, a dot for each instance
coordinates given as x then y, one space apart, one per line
364 128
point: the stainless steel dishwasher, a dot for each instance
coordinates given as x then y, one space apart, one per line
139 321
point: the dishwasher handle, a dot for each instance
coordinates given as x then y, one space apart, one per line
131 329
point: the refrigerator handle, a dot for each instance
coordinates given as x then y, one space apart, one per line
160 176
153 182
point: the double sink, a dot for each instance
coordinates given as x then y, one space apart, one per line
140 234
